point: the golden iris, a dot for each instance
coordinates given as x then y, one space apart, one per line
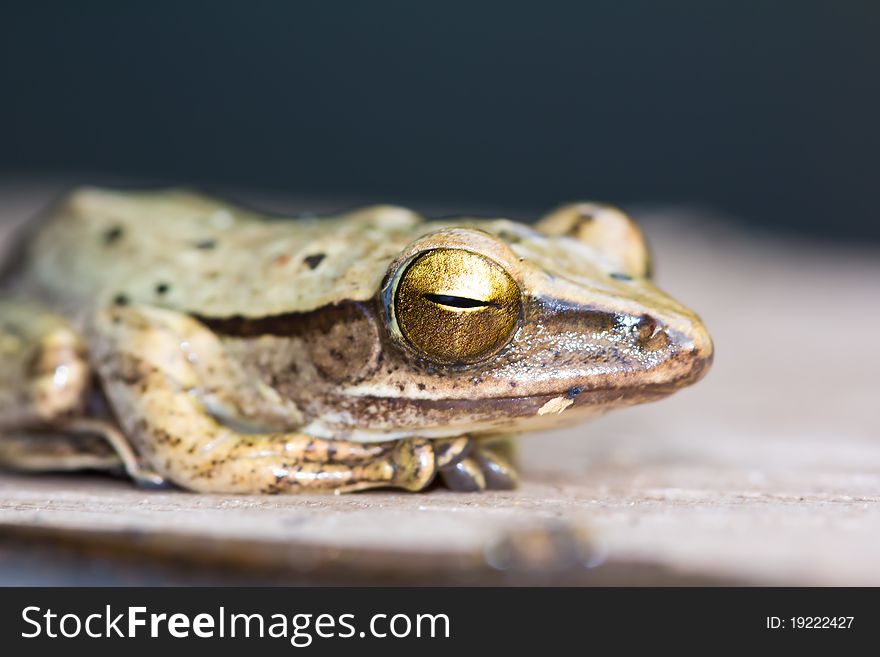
455 306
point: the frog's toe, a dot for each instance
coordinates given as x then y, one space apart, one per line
414 464
498 471
465 476
450 451
142 477
481 469
148 480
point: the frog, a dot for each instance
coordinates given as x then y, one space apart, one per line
188 341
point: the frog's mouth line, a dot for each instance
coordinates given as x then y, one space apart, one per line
387 418
576 396
399 413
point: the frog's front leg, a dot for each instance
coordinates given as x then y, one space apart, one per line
151 376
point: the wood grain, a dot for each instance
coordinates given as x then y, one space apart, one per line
768 471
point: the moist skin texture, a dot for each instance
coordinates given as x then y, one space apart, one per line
224 351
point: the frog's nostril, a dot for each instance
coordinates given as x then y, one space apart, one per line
645 327
649 334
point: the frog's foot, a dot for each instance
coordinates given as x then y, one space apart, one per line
44 377
484 466
412 463
44 385
52 450
76 445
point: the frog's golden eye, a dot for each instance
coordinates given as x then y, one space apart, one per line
455 306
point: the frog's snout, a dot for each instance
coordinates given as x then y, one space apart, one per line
701 345
671 349
691 352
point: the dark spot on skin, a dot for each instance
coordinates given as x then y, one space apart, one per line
573 392
421 386
513 384
162 288
120 299
13 330
578 222
206 245
113 235
620 276
314 260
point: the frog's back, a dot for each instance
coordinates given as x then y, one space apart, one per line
203 256
197 254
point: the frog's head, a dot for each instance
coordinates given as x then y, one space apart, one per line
492 325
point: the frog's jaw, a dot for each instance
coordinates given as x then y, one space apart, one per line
389 419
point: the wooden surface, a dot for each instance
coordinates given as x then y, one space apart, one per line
768 471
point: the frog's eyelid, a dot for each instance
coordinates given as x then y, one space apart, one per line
456 302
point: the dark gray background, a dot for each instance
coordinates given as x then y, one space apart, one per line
764 111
